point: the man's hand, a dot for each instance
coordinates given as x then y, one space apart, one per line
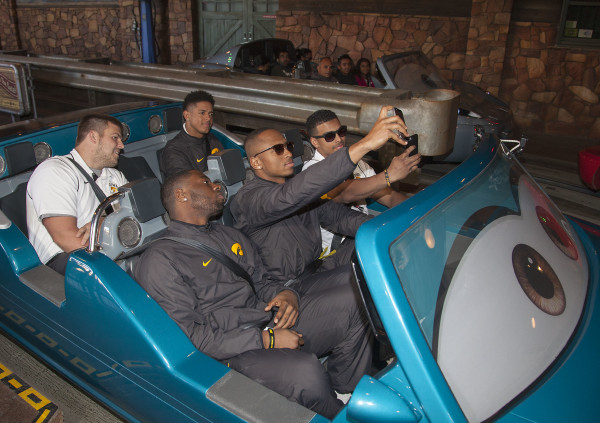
380 133
84 233
284 338
287 314
402 165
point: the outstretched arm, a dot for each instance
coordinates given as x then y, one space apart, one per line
380 133
376 186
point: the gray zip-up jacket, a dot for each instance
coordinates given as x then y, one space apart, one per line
284 220
215 308
185 152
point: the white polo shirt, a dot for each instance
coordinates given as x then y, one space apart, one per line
362 170
57 188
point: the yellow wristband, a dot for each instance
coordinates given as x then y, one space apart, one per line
387 178
271 338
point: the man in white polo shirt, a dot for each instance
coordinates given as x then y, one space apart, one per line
61 199
327 135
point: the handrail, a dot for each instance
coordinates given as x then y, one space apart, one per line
95 222
431 114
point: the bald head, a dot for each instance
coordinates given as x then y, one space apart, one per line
272 164
259 139
191 197
170 186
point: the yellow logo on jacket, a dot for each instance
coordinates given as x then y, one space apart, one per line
237 249
214 151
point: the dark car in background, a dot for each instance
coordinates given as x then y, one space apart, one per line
240 58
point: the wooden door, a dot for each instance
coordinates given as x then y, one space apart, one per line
225 23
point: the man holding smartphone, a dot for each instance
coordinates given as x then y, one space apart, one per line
328 135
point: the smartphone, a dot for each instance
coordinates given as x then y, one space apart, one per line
398 112
414 140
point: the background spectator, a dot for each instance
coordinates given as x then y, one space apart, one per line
363 73
344 70
282 65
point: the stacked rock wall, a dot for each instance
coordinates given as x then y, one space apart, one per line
111 31
551 89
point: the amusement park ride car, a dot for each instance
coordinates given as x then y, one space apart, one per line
485 292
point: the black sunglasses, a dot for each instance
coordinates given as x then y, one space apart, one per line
330 136
279 148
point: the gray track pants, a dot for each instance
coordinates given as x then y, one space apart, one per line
331 322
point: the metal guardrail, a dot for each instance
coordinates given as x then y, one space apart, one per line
431 114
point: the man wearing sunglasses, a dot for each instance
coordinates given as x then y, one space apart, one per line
190 147
283 215
328 135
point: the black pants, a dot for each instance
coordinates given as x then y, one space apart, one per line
331 322
59 262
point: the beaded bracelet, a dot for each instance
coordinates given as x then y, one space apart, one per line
387 178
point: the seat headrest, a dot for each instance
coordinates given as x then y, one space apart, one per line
19 157
144 196
295 136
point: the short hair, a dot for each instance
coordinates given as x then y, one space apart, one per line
317 118
167 190
196 97
252 140
344 56
279 51
325 57
95 122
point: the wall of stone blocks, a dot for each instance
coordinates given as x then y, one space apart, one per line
99 31
551 89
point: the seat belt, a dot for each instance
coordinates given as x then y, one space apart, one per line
97 190
99 193
219 256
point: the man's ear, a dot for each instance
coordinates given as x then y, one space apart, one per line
94 136
255 163
180 195
314 142
186 115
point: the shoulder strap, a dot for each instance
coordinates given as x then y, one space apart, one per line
226 261
99 193
232 265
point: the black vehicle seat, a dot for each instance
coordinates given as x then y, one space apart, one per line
135 168
20 158
298 138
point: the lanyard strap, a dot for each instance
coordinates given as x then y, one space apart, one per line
99 193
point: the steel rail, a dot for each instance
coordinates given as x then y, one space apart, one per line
431 114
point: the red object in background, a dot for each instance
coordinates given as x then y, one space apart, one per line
589 167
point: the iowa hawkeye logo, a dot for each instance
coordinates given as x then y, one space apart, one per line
237 249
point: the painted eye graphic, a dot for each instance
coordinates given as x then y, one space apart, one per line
556 232
538 280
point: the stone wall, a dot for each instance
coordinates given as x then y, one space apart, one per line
442 39
76 32
486 47
108 31
9 34
551 89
